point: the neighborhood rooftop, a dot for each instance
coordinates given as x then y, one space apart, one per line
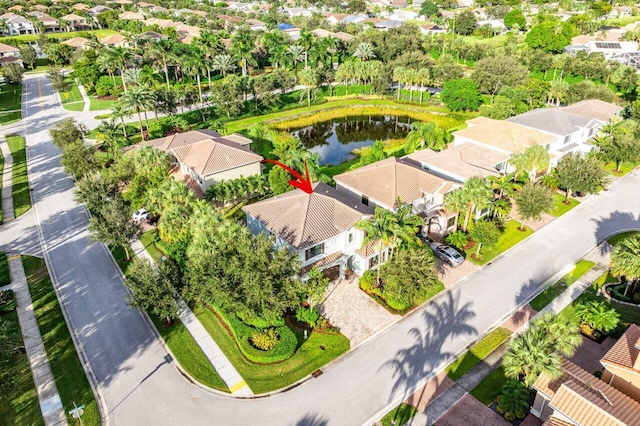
304 220
508 136
594 108
626 350
552 120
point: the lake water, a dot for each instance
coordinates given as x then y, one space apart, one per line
336 139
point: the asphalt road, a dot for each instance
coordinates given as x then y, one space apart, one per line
137 379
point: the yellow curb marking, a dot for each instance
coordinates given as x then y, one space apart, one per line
237 386
7 219
14 257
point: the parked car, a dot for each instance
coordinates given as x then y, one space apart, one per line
447 253
141 215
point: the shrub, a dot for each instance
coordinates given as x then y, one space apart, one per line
265 339
309 316
457 239
636 297
508 416
367 280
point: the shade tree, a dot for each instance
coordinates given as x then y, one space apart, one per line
532 201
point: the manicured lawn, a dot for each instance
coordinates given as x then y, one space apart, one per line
189 355
121 258
72 95
77 106
20 405
399 415
511 236
262 378
619 237
69 375
148 240
559 207
490 388
5 276
61 35
624 169
20 189
477 353
554 290
1 171
100 104
10 103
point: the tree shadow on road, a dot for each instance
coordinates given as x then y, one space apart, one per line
615 223
311 420
443 321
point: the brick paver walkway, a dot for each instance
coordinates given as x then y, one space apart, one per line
351 310
589 353
450 276
471 412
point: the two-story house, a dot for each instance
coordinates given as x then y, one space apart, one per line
595 109
49 23
206 158
9 54
320 227
17 25
75 22
385 182
622 363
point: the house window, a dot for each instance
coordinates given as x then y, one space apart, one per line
592 131
499 167
365 200
350 238
567 138
451 221
373 261
314 251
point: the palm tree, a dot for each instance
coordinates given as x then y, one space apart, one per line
399 77
242 46
501 207
139 98
108 62
531 160
454 202
296 54
514 399
563 336
378 231
345 73
309 78
160 52
506 185
223 63
625 260
477 195
364 52
119 111
122 55
306 41
423 77
404 226
410 77
598 316
148 76
193 66
132 76
110 134
427 135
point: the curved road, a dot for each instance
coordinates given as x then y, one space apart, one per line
137 379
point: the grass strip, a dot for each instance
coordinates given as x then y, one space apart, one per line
554 290
399 415
5 276
559 206
477 353
59 36
69 375
19 402
10 97
314 352
490 388
20 178
511 236
76 106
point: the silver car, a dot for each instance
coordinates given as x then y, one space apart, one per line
447 253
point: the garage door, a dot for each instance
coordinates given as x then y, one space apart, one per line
333 273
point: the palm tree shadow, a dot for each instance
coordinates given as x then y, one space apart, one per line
311 420
443 321
615 223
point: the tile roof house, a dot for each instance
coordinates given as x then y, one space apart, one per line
77 43
383 182
318 226
209 158
115 40
50 23
17 25
10 54
131 16
579 398
622 363
602 111
76 23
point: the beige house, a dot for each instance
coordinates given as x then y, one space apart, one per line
595 109
622 364
77 43
114 40
76 22
579 398
384 182
320 227
208 158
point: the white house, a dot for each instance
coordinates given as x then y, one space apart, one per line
17 25
319 227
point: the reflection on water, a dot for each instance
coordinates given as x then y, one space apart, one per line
336 139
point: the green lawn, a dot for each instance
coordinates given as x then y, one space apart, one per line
148 240
20 405
76 106
621 236
477 353
5 276
61 35
554 290
331 171
559 207
72 95
10 103
1 172
69 375
511 236
624 169
189 355
490 388
262 378
20 185
100 104
399 415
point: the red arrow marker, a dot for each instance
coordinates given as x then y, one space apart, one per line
300 183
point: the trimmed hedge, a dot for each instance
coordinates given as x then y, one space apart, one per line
242 333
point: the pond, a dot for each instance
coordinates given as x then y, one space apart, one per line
334 140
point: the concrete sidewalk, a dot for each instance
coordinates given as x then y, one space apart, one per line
437 408
85 97
50 403
7 179
225 369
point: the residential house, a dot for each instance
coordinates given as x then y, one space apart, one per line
115 40
595 109
341 35
76 23
256 25
398 3
9 54
49 23
17 25
405 15
39 8
131 16
334 18
152 35
385 182
320 227
297 11
387 24
97 10
79 7
206 158
431 29
577 397
16 8
624 52
622 363
77 43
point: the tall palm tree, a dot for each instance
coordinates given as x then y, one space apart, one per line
111 136
309 78
149 77
122 55
423 76
132 76
194 65
139 99
455 202
223 63
242 46
506 185
345 73
378 231
119 111
625 260
323 50
477 194
306 41
427 135
562 336
296 54
364 52
531 160
399 77
404 226
160 53
108 62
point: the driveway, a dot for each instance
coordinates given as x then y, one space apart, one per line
137 381
471 412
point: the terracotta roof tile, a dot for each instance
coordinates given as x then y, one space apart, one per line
625 351
503 134
554 421
594 108
214 155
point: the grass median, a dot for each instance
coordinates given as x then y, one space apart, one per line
10 103
559 205
490 387
20 178
554 290
512 235
71 381
477 353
